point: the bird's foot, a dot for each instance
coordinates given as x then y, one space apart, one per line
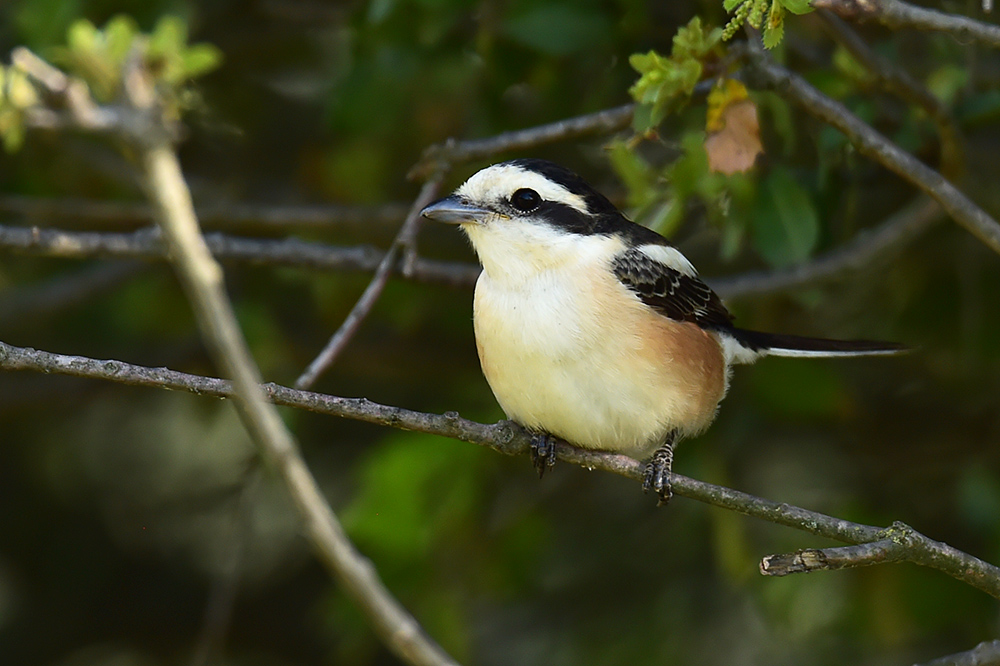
656 475
543 452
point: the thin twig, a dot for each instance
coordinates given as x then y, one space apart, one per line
986 653
452 151
146 244
863 250
366 302
27 303
869 142
898 81
898 14
221 215
830 559
507 438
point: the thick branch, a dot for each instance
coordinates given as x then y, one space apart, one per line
203 281
505 437
869 142
898 14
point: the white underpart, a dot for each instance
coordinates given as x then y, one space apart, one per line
736 352
496 183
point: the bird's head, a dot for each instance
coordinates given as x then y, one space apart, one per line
530 212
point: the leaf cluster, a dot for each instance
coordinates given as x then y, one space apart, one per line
666 83
101 57
766 15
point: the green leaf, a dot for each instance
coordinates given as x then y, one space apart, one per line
200 59
82 37
730 5
668 82
774 29
797 6
785 224
118 36
168 37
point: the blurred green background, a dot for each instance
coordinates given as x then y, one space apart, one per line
127 515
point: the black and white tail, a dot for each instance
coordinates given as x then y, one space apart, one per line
742 346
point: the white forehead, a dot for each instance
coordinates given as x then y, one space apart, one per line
498 182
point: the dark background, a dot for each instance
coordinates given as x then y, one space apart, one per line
124 512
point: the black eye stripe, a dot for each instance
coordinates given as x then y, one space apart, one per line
525 200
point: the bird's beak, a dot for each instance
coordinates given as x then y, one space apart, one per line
454 211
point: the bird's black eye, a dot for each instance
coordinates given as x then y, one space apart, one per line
525 200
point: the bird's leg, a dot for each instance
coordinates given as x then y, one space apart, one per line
656 475
543 452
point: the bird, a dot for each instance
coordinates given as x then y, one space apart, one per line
594 329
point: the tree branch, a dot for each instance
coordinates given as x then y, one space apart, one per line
867 247
869 142
222 215
986 653
404 239
898 14
899 82
202 279
451 151
146 244
508 438
864 249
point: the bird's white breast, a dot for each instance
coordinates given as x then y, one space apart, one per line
569 350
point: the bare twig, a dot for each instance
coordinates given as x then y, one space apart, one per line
898 14
26 303
451 151
830 559
986 653
146 244
869 142
507 438
404 239
225 215
899 82
863 250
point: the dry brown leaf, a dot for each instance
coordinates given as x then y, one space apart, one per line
735 147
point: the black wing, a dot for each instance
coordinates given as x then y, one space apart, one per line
674 294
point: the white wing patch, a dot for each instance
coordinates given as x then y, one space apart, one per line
496 183
670 257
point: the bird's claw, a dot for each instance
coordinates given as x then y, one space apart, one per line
656 475
543 452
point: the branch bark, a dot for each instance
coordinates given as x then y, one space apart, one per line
220 215
404 240
898 14
451 151
510 439
147 244
872 144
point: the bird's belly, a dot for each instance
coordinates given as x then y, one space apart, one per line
599 377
